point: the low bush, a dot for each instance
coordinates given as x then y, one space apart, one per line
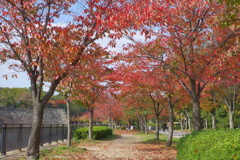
151 124
222 144
176 127
81 133
98 132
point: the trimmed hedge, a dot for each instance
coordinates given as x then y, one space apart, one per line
222 144
151 124
98 132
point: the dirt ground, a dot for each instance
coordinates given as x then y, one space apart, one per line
127 146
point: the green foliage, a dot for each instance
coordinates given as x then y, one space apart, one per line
81 133
151 124
177 127
76 108
231 2
221 144
230 16
15 98
99 132
222 118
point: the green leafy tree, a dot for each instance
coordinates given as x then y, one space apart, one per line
15 98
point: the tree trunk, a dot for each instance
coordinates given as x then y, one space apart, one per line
90 136
231 117
109 122
115 124
186 123
213 119
145 124
182 121
34 138
69 132
188 120
120 125
197 121
170 122
157 127
38 106
230 98
206 124
141 123
189 124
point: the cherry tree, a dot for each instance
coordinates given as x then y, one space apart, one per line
26 34
111 110
88 96
89 82
143 84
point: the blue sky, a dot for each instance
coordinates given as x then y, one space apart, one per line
21 82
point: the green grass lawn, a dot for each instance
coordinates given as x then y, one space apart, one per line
150 138
61 150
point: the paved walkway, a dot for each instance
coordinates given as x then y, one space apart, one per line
176 134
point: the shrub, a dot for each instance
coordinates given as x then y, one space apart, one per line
98 132
151 124
81 133
176 127
222 144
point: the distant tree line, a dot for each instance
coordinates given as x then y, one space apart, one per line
21 98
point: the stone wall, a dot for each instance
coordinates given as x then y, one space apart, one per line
51 116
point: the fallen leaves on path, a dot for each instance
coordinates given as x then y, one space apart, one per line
127 147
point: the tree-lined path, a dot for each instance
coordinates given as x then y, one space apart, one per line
183 55
128 146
